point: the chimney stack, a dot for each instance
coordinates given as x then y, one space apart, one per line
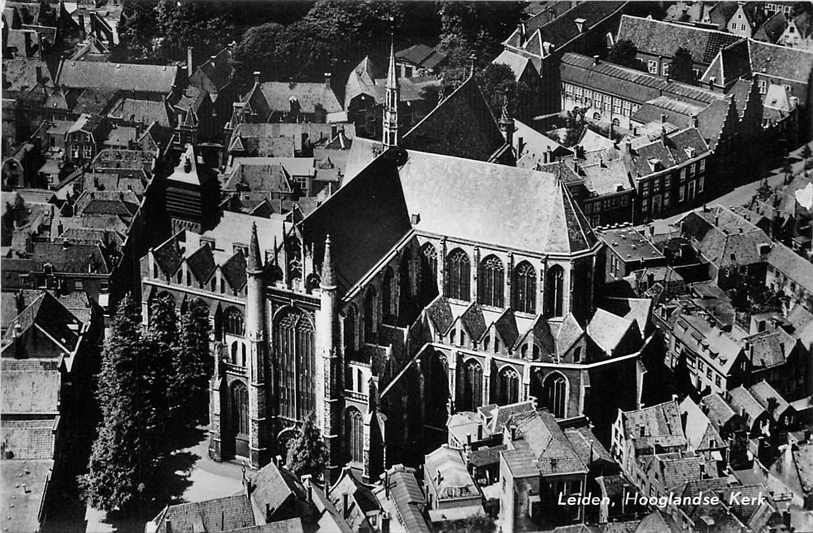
256 77
189 61
580 24
595 59
695 122
387 484
327 80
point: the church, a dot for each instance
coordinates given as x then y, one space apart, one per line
428 284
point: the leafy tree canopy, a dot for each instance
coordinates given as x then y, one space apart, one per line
308 453
624 52
682 68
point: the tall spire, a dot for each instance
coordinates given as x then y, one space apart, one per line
506 121
328 268
255 261
390 123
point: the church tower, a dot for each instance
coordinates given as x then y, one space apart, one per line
257 345
392 98
328 367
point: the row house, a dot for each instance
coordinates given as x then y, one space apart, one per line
790 273
584 28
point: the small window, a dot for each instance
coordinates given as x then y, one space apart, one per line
653 66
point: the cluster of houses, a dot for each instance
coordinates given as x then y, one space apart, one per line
125 177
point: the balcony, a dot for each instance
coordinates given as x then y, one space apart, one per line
353 395
234 369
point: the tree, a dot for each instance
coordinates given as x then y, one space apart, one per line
158 367
137 29
682 67
192 364
308 452
124 453
259 50
625 53
495 81
476 27
478 523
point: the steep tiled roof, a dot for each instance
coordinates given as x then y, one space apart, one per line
660 38
780 61
541 336
201 263
548 444
27 391
124 76
20 74
741 399
220 514
608 330
274 487
657 424
29 439
791 265
455 480
267 178
278 94
506 325
765 394
168 256
771 348
409 499
440 131
474 321
569 333
440 313
421 55
234 270
471 202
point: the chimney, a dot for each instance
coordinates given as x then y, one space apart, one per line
694 120
521 32
307 480
712 81
595 59
472 63
27 36
189 61
327 80
479 432
256 77
387 484
580 24
39 74
628 145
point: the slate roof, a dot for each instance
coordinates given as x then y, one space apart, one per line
266 178
141 110
474 321
725 238
439 132
570 331
275 486
49 315
697 427
409 499
219 514
540 335
542 216
547 443
234 270
563 28
29 439
771 348
791 265
741 398
506 326
772 28
517 63
661 38
168 255
201 263
30 392
25 481
124 76
455 482
214 74
629 83
421 55
20 74
608 330
440 313
780 61
309 95
661 425
764 393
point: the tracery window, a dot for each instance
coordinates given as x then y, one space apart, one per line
293 340
491 282
458 275
524 286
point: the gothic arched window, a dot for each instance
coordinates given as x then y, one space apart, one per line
554 288
387 309
472 385
354 434
429 271
369 314
458 275
293 339
524 285
350 329
234 322
508 386
555 390
490 282
239 408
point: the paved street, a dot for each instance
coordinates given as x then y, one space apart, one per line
204 479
